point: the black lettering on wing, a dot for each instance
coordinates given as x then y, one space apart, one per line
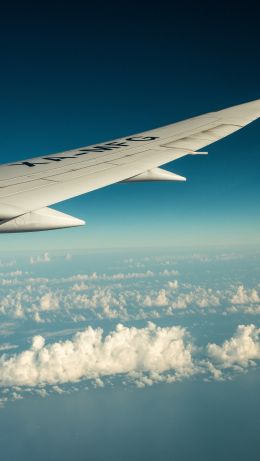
142 138
56 159
29 164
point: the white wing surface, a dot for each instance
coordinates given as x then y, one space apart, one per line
27 187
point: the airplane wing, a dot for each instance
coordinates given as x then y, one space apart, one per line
28 187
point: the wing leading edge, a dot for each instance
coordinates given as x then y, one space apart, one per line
28 187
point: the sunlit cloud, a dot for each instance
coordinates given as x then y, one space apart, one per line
240 350
90 354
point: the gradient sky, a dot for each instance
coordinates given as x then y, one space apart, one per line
79 73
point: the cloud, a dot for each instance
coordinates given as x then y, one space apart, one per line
159 300
142 356
173 284
169 273
16 396
240 350
199 296
80 287
49 302
244 296
110 277
6 328
38 298
91 355
118 294
7 263
37 318
45 258
254 310
7 347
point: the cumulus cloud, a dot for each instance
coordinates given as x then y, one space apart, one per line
240 350
80 287
142 356
198 296
173 284
254 310
38 298
159 299
49 302
91 355
37 318
244 296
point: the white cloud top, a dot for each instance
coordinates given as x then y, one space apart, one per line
90 354
244 296
240 350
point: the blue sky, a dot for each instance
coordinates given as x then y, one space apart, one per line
72 76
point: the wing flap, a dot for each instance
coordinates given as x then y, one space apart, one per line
203 138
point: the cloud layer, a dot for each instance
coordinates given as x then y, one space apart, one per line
122 295
146 355
47 302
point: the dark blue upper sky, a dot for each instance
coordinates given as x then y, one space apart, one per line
75 73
